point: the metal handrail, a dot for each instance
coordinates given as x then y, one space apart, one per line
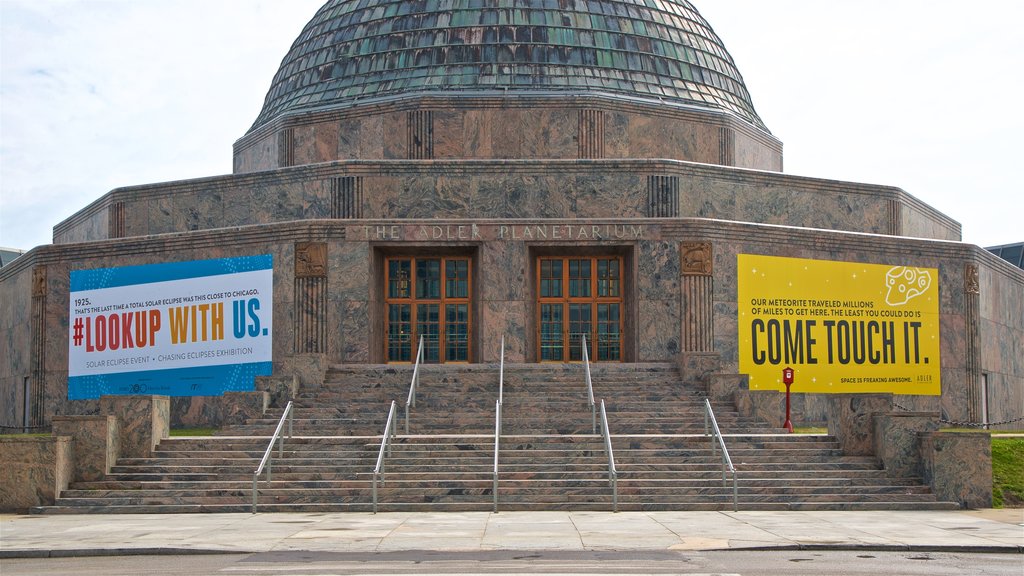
726 460
497 447
267 460
590 385
385 447
613 475
497 420
411 400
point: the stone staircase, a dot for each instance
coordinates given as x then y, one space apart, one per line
549 457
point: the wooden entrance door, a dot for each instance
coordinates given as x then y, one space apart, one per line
579 296
428 297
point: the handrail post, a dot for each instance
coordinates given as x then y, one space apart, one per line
385 448
268 455
726 460
497 421
590 384
411 400
613 475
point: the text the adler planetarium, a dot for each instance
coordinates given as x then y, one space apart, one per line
470 232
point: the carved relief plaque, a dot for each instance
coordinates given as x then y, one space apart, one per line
696 258
39 281
311 260
972 285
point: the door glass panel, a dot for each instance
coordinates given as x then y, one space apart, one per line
609 333
551 338
428 327
428 279
399 278
399 333
579 325
457 332
579 278
457 279
551 279
608 278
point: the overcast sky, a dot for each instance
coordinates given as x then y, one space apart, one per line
924 95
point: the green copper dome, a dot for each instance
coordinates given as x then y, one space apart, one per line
364 49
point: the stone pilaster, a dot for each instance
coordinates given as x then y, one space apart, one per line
697 292
310 297
972 320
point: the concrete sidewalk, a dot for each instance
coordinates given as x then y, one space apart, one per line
130 534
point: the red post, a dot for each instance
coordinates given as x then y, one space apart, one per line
787 379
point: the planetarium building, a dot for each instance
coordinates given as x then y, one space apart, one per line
538 180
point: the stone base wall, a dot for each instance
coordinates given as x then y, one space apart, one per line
958 466
34 472
97 444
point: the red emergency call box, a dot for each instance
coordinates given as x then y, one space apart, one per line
787 375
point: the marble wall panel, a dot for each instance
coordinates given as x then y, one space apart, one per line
316 199
349 132
309 368
261 155
354 332
504 272
35 471
477 134
958 467
280 389
767 406
242 406
380 196
953 328
449 134
751 153
504 318
197 412
238 206
918 223
658 338
955 399
659 270
315 143
557 134
587 194
507 136
391 137
96 444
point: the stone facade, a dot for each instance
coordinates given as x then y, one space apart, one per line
674 190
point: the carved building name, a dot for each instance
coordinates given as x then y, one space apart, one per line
518 232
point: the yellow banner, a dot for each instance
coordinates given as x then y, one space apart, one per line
843 327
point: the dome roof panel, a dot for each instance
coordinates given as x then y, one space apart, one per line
655 49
